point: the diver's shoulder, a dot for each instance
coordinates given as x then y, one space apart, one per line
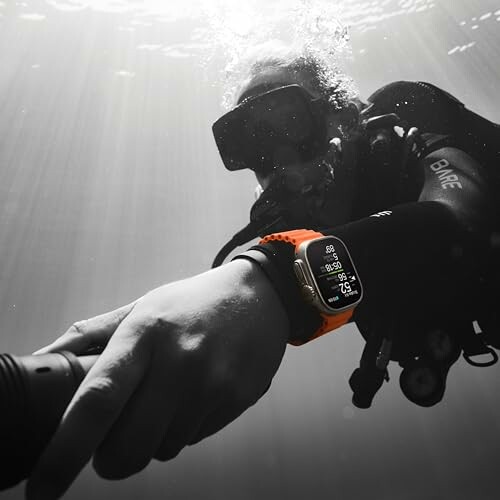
421 103
402 90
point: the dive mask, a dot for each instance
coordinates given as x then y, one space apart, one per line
279 127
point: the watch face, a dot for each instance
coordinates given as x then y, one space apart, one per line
334 273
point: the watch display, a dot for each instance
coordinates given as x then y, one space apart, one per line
331 267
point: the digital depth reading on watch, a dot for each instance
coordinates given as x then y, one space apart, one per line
334 272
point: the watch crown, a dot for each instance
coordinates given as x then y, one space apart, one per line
309 293
307 290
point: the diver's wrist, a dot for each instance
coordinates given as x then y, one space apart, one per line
254 285
276 263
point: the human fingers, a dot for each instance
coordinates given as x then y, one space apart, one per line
185 426
223 415
216 421
135 436
94 408
84 334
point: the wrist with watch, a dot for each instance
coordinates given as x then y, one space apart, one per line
324 273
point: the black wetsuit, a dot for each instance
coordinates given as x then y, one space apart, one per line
442 204
423 229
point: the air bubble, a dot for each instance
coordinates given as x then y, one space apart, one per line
285 30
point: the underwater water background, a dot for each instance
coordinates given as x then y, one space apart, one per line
110 185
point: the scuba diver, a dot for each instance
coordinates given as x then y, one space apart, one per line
382 213
407 180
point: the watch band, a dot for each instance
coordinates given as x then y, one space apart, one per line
296 237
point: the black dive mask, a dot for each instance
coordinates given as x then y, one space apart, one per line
281 127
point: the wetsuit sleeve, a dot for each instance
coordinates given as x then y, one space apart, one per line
418 259
425 258
460 183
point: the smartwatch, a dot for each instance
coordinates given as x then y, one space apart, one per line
326 275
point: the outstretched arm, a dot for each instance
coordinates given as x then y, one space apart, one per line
189 357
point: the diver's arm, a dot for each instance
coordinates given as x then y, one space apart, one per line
427 252
456 180
414 259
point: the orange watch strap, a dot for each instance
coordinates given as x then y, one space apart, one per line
296 237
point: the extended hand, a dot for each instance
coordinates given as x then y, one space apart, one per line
179 364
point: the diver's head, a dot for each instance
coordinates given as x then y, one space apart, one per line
336 111
290 125
340 106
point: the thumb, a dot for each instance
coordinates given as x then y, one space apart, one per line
89 333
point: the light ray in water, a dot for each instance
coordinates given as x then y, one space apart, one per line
226 31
